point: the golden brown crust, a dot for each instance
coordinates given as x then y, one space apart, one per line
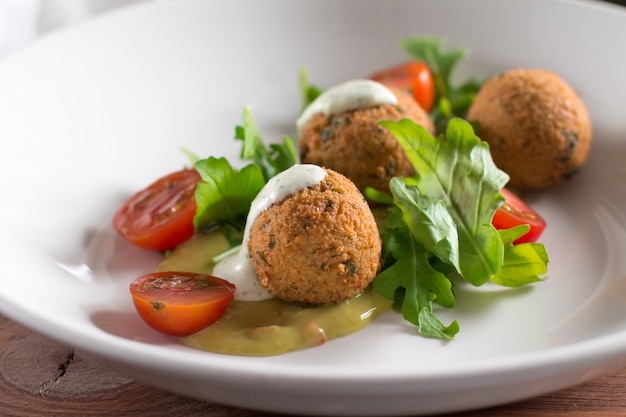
354 144
537 127
318 245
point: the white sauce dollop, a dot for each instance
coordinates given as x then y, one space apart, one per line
351 95
237 268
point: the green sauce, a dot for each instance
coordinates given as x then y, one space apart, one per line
273 326
195 254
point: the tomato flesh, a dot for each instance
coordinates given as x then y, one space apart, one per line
180 303
160 216
515 212
413 76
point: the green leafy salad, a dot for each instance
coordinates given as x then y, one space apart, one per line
438 228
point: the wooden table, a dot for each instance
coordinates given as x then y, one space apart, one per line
42 378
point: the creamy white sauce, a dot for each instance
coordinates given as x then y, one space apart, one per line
237 268
351 95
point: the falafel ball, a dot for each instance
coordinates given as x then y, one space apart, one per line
537 127
354 144
318 245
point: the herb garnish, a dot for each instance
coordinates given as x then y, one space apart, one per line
451 101
308 91
224 194
439 227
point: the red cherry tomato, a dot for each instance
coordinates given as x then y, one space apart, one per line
515 212
160 216
414 76
181 303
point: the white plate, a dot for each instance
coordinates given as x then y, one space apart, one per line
89 115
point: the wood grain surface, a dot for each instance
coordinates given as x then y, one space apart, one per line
39 377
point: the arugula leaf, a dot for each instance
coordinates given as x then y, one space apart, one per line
452 101
193 158
440 228
283 156
441 63
377 196
270 161
224 194
429 221
413 282
309 92
458 170
523 263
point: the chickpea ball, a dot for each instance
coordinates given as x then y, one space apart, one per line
537 127
318 245
356 145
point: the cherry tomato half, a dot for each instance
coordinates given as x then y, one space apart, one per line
515 212
415 76
181 303
160 216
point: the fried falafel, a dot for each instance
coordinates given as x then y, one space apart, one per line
353 142
317 245
538 128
